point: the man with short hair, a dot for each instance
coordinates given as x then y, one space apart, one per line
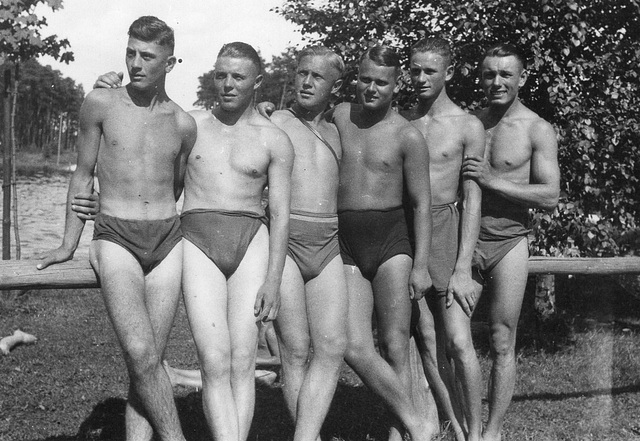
313 309
518 171
451 135
381 152
232 265
136 249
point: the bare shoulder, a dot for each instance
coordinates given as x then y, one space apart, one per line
200 115
469 123
280 117
99 98
541 132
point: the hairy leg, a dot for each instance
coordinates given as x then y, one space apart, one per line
507 282
326 304
205 297
243 288
142 311
437 369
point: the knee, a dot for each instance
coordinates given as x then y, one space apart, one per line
503 341
141 358
243 360
295 353
358 352
394 346
459 346
215 363
330 346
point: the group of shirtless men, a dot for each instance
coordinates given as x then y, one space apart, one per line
369 211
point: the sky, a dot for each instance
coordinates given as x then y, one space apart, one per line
97 32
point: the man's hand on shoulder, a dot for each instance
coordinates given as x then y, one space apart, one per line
54 256
110 80
266 109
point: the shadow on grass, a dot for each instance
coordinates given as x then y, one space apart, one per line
635 388
356 414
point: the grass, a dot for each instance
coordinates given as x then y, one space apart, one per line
578 379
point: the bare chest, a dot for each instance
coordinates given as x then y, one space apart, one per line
508 147
373 148
220 153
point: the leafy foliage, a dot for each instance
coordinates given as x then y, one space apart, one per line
20 37
584 62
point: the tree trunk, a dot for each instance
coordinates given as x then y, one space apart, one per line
545 302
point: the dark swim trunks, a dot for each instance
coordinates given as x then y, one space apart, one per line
444 244
368 238
502 226
222 235
313 242
149 241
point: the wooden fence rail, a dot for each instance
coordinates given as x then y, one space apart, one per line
22 274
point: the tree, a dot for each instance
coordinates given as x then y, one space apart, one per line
584 60
20 40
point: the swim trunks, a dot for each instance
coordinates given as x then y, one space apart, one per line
222 235
313 242
502 226
149 241
444 244
368 238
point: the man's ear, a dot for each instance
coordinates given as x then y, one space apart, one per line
258 82
449 73
171 62
337 85
523 77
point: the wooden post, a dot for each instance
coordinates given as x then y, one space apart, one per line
59 138
6 169
545 301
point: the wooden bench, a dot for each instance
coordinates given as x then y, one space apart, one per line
23 275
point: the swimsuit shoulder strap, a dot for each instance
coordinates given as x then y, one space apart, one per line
318 135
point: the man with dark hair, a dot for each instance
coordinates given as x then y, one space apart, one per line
232 265
381 151
518 171
137 249
451 134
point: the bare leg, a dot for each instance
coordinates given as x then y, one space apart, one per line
327 312
393 313
362 356
292 326
205 297
507 282
243 287
436 366
141 310
459 348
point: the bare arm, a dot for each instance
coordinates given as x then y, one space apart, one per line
81 181
461 286
188 129
543 188
279 179
416 175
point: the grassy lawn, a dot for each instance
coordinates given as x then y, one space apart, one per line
578 379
